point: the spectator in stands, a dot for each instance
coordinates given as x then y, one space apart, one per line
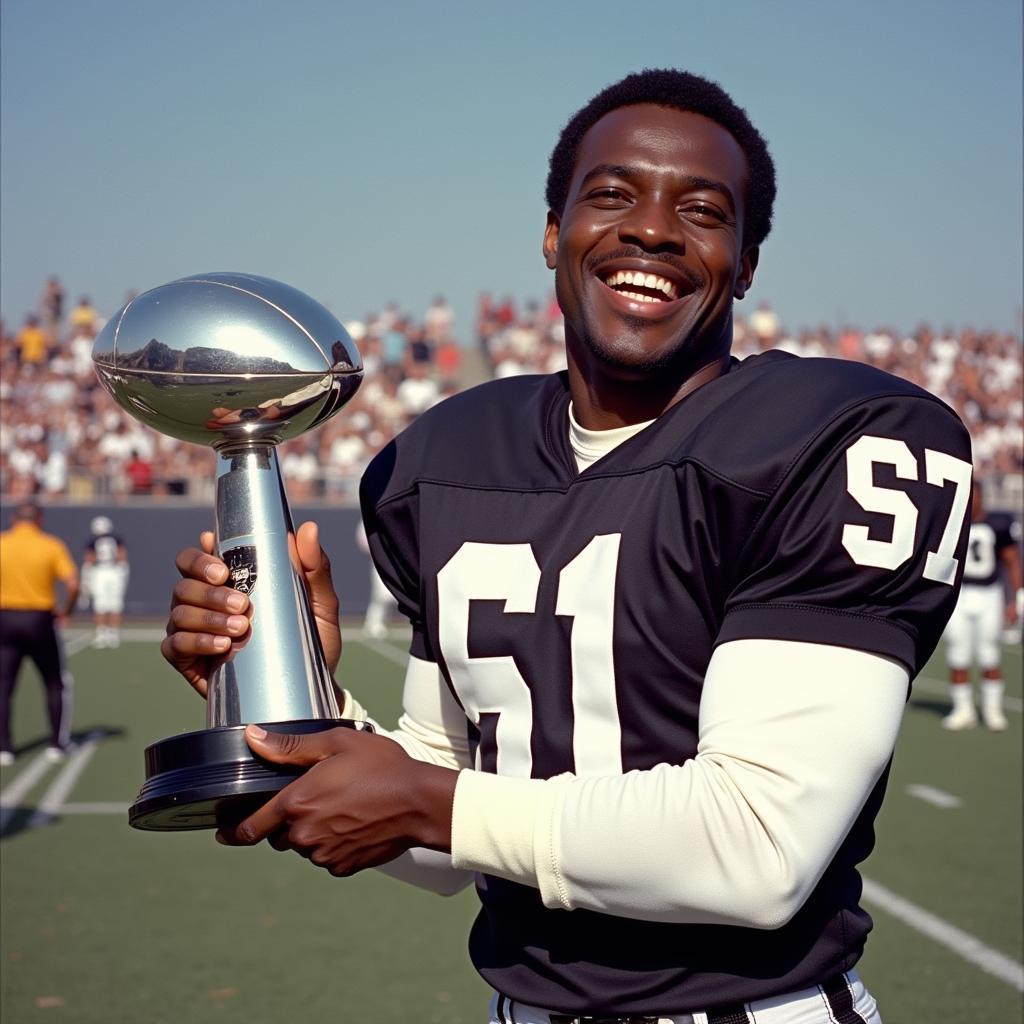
486 322
51 305
439 321
33 343
505 314
83 316
348 453
139 471
849 343
409 366
418 392
51 470
448 361
80 352
418 347
370 350
393 339
764 322
302 468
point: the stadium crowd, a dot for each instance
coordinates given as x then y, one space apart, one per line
62 436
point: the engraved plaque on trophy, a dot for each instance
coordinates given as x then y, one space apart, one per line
239 363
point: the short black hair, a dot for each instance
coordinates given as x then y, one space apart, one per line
668 87
27 511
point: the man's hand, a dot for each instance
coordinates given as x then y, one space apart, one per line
362 802
207 617
72 588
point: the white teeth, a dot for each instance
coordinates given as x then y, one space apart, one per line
620 277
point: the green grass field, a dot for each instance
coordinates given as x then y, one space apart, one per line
101 923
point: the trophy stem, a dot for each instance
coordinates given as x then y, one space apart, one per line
277 672
277 675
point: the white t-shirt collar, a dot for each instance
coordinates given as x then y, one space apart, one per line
590 445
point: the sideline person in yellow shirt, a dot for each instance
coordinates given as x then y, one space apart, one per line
32 563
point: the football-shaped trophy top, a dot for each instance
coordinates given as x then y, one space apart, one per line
223 358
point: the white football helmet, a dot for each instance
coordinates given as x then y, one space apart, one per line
101 525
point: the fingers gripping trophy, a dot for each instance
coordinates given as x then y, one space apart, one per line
239 363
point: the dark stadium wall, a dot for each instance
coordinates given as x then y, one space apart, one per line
154 534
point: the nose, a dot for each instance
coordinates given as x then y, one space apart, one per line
654 225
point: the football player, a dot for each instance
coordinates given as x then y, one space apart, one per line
105 576
974 632
380 603
665 608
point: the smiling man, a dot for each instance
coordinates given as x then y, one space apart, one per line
666 607
648 251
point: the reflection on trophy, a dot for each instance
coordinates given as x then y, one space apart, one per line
240 363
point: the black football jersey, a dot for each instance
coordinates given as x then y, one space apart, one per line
996 532
573 616
105 548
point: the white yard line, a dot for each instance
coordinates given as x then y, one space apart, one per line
139 634
61 787
933 796
82 638
76 643
927 684
383 648
23 782
98 807
962 943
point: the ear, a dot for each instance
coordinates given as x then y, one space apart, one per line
551 239
745 277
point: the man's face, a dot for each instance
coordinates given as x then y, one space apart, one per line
656 192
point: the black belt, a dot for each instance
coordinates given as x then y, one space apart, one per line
835 990
567 1018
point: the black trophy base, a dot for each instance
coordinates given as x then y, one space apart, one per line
210 778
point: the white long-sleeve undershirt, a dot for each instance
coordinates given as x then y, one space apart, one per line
792 738
432 728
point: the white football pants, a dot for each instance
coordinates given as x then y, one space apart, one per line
107 584
975 628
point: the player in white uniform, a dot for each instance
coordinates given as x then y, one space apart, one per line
974 631
381 603
105 568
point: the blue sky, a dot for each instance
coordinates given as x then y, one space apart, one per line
392 151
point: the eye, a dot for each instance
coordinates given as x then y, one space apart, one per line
607 195
704 213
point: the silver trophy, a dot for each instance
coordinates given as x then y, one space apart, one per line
239 363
